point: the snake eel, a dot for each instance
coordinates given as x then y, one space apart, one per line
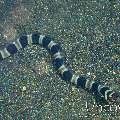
54 49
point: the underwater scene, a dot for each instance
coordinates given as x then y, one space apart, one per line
59 59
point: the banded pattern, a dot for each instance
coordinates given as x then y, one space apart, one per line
54 50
